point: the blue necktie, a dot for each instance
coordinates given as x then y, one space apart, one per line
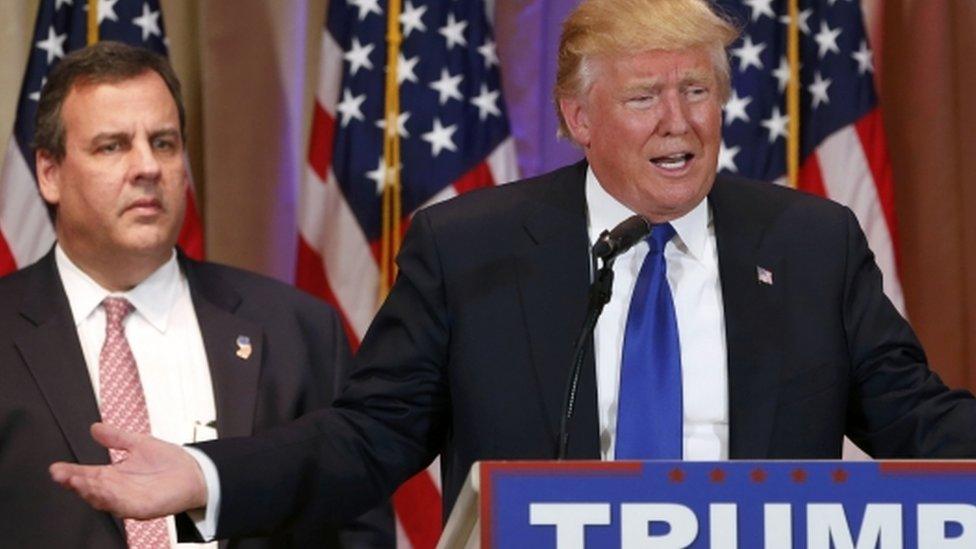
649 413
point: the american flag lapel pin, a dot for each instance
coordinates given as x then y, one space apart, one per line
765 276
243 347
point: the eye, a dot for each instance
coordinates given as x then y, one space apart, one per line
107 148
641 100
696 92
164 143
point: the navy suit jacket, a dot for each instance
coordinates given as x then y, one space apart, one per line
468 357
47 403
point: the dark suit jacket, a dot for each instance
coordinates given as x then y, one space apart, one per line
47 403
470 354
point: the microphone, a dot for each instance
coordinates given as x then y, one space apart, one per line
610 244
621 238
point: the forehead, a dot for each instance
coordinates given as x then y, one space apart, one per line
656 65
142 99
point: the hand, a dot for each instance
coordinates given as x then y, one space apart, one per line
155 479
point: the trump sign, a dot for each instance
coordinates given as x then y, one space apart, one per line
729 505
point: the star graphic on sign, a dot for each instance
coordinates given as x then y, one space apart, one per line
106 10
802 20
448 86
726 157
401 124
411 19
819 89
839 475
440 138
676 475
380 175
748 54
782 73
865 63
53 44
35 96
776 124
735 108
826 39
487 103
148 22
367 7
758 475
716 475
59 3
799 476
453 32
760 8
405 69
488 51
350 107
358 56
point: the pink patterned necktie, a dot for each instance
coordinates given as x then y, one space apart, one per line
123 405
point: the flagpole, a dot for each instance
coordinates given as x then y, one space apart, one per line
92 22
390 244
793 95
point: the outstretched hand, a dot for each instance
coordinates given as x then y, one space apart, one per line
155 479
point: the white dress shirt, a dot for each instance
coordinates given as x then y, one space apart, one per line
692 263
165 339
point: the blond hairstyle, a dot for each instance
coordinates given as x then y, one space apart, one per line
600 27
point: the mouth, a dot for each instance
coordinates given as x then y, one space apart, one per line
673 163
145 206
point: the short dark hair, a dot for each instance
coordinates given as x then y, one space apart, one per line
102 62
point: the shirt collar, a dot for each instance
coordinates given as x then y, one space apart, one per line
605 212
153 298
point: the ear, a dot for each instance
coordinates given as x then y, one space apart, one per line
577 119
48 176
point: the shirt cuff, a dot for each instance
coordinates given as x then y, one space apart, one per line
205 519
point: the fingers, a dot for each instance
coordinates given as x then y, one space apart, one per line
84 481
113 437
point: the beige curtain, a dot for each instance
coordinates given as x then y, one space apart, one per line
927 82
249 68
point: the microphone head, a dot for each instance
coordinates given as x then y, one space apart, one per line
621 238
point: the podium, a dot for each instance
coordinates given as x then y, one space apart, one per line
716 505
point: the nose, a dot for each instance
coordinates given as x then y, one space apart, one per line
145 165
674 118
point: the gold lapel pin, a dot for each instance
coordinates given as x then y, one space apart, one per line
243 347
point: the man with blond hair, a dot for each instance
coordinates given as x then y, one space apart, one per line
750 324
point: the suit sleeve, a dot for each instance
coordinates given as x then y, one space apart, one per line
898 406
375 528
389 423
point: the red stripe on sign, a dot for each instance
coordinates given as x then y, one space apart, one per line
320 141
310 276
870 129
476 178
418 508
927 467
7 263
191 233
810 179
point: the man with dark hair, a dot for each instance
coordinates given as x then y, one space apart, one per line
116 325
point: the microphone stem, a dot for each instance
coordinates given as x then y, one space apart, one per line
599 296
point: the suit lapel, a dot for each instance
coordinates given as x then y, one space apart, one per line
553 278
234 373
753 317
52 352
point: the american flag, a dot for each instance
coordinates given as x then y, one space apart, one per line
843 154
26 231
454 137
